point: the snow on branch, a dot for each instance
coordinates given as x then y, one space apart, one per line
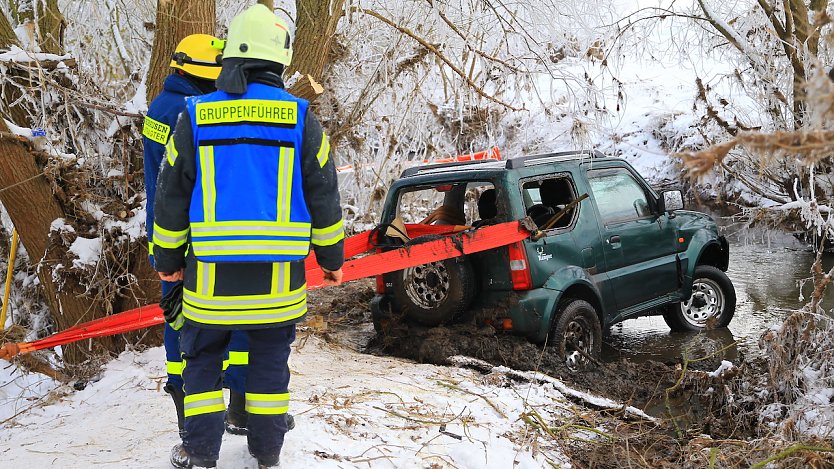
808 146
440 56
590 400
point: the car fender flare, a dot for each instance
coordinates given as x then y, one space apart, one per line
562 281
701 242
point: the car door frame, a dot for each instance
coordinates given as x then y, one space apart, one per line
639 276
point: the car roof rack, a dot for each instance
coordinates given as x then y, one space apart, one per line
512 163
532 160
414 170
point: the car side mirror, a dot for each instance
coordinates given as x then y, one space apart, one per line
672 200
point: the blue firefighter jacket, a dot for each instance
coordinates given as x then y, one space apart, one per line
246 190
249 205
159 126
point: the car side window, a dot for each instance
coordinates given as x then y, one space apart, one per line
618 195
545 198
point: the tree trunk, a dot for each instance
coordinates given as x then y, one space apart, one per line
315 27
7 35
28 198
16 113
268 3
51 27
48 31
32 205
176 19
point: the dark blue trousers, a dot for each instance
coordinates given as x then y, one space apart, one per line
266 389
171 339
235 376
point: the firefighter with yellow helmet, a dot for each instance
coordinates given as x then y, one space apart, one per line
246 190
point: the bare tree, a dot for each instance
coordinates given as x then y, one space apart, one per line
46 190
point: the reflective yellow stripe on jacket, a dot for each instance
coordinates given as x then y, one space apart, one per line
201 230
234 247
279 305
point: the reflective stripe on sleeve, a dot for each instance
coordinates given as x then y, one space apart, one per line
267 404
324 150
167 238
204 403
330 235
150 247
171 152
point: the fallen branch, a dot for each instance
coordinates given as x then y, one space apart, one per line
595 402
807 146
458 388
789 451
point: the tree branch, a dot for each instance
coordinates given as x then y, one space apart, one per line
460 33
439 55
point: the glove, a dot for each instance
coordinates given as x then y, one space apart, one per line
171 305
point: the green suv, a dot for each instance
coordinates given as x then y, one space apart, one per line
606 247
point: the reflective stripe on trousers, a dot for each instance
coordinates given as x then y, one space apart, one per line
267 404
204 403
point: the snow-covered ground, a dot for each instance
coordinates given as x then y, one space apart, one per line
352 411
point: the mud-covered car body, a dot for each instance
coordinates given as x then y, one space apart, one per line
623 264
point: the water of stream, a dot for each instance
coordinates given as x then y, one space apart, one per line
766 268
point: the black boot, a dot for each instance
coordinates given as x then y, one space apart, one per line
236 415
237 418
178 395
182 460
267 463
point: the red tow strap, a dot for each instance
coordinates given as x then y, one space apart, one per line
449 246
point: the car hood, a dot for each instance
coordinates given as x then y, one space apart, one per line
688 220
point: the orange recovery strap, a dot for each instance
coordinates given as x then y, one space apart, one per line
449 245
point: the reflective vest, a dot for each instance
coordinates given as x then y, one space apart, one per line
248 201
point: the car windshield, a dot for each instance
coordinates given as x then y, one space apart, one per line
457 203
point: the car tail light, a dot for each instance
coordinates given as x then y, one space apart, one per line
519 267
380 284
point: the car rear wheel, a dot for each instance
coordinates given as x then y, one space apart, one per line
577 334
712 302
435 293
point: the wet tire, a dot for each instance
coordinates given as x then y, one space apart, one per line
577 327
713 302
435 293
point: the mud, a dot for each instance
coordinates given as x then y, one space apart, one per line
635 383
703 420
